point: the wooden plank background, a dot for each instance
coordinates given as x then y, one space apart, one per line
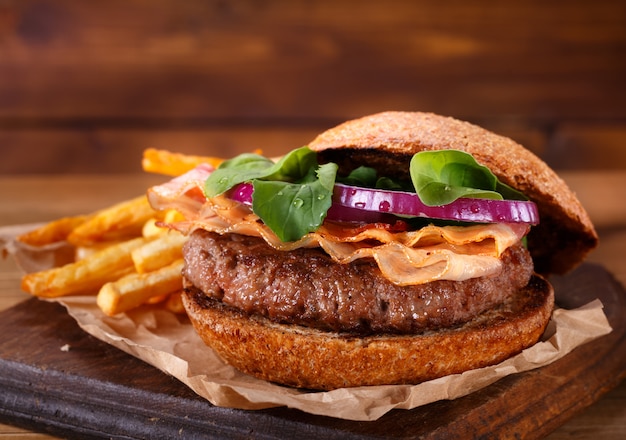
86 86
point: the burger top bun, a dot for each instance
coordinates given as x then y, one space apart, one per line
388 140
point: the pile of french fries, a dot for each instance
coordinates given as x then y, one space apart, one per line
122 255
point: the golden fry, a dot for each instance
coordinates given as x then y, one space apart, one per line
82 252
159 252
84 276
123 220
171 216
135 289
152 229
173 164
174 303
52 232
123 253
157 299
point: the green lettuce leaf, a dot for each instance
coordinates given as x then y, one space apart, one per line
248 167
441 177
242 168
367 177
291 210
291 196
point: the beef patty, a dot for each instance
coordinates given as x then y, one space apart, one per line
306 287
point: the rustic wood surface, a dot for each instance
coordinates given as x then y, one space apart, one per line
93 83
197 59
73 194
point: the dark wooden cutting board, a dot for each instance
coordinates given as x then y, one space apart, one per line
55 378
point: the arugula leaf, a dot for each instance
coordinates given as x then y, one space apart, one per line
247 167
292 210
293 166
291 196
509 193
361 176
239 169
392 184
367 177
441 177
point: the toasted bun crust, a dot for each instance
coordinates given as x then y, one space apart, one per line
388 140
308 358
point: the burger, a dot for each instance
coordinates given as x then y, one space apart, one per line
392 249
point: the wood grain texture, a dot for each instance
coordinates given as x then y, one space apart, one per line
75 78
113 150
298 59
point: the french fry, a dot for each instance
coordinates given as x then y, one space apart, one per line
159 252
52 232
123 252
123 220
174 303
157 299
151 227
82 252
135 289
84 276
173 164
171 216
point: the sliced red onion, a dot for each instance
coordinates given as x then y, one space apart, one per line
242 193
352 203
409 204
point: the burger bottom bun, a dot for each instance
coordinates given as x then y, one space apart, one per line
313 359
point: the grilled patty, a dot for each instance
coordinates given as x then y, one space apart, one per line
307 287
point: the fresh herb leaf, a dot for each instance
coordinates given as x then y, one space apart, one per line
294 166
441 177
291 210
291 196
247 167
367 177
509 193
242 168
392 184
361 176
326 175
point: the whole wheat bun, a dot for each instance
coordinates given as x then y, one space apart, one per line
388 140
308 358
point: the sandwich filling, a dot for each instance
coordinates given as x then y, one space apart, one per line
356 276
404 256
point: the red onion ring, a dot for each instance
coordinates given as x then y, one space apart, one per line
351 203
